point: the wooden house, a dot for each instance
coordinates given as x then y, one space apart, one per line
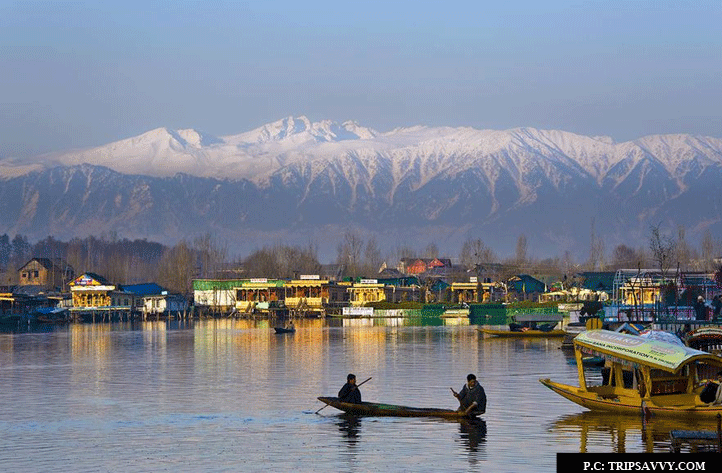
422 265
260 295
91 291
93 295
374 290
215 295
311 295
45 272
524 287
164 304
475 291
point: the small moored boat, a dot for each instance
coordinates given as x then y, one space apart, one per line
284 329
530 325
646 376
378 409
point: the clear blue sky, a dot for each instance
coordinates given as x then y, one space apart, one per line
79 74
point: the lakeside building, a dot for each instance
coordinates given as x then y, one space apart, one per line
415 266
48 273
215 295
378 290
93 295
476 291
260 295
164 305
311 295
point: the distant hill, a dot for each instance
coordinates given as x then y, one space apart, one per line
295 181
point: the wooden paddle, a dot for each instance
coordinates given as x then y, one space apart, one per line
324 407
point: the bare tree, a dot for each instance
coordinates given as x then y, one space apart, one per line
475 252
349 251
710 248
662 249
626 257
596 250
372 256
521 249
682 249
176 268
431 251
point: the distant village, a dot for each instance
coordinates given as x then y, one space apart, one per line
49 290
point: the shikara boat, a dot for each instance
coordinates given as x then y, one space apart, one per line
530 325
377 409
646 376
284 330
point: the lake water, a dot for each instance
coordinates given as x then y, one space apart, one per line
231 395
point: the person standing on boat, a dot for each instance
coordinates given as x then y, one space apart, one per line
350 392
700 309
471 397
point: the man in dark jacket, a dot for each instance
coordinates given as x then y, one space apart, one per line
471 397
700 309
350 392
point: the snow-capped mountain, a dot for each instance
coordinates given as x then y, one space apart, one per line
306 179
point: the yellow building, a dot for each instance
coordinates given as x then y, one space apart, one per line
371 290
91 291
472 291
311 295
640 291
259 295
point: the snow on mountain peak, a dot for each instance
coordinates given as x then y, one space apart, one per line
297 141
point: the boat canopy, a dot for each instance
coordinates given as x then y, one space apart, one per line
521 318
637 351
705 333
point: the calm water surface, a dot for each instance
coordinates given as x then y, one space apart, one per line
231 395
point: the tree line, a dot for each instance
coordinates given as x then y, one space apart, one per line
125 261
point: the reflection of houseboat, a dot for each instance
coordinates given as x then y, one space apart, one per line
646 376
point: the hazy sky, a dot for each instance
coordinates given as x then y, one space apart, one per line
78 74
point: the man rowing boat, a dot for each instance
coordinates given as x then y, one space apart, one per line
472 398
350 392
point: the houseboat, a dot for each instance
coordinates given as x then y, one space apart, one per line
645 376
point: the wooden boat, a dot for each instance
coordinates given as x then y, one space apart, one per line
377 409
646 376
284 330
529 326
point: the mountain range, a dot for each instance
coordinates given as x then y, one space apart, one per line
295 181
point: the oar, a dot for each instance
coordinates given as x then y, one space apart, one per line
324 407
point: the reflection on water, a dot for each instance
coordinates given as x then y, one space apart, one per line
349 426
231 394
472 433
604 432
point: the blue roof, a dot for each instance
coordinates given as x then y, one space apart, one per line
146 289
